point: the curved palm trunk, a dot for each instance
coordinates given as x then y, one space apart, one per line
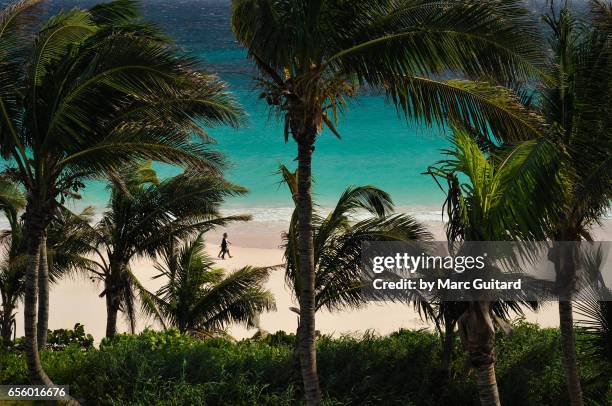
478 335
307 344
487 385
35 225
43 294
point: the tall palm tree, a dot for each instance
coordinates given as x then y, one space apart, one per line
202 299
486 202
338 238
89 92
311 56
578 112
64 244
143 214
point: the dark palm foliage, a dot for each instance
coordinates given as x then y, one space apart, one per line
143 215
594 307
313 55
68 244
12 268
578 111
337 243
486 202
84 94
202 299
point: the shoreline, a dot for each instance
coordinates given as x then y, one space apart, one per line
254 243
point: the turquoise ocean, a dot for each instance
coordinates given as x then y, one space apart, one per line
378 146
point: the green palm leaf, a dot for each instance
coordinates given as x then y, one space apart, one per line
198 297
338 239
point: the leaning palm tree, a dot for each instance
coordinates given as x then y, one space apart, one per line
143 213
86 93
338 239
486 201
312 55
65 246
579 114
201 299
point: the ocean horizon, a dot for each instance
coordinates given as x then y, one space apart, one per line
379 146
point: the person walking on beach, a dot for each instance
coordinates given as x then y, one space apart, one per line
224 247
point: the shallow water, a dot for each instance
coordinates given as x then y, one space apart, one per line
378 146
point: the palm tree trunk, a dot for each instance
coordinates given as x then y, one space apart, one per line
112 284
568 345
43 294
307 344
447 349
6 324
487 385
565 257
34 227
478 335
111 314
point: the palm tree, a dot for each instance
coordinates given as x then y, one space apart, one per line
486 202
311 56
338 239
11 270
143 213
64 245
447 314
202 299
91 91
578 112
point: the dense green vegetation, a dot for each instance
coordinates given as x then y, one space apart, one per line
99 93
402 368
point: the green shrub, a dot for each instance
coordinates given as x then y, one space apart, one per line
61 338
403 368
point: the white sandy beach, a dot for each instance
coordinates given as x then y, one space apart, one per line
257 244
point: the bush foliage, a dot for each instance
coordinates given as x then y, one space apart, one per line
403 368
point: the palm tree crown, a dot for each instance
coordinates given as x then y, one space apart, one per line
312 55
338 239
200 298
143 214
84 94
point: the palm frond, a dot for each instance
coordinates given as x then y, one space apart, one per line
199 297
59 33
491 110
18 24
115 12
594 308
